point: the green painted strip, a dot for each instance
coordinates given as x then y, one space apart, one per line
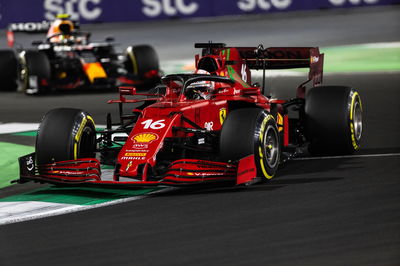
27 133
235 76
56 194
107 166
9 161
77 195
34 133
361 58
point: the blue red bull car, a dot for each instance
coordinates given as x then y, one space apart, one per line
212 126
68 60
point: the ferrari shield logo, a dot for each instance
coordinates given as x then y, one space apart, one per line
222 115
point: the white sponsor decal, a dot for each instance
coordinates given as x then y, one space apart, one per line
149 123
250 5
86 9
207 174
140 146
133 158
29 26
353 2
314 59
209 125
136 150
29 164
154 8
244 73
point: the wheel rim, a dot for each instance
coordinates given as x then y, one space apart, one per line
357 120
271 148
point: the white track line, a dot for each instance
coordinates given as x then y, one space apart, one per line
66 208
8 128
347 156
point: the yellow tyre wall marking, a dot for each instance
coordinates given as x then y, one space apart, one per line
260 150
133 59
353 137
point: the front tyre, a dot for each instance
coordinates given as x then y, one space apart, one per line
333 120
65 134
251 131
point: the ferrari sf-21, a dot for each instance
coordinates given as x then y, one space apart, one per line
211 126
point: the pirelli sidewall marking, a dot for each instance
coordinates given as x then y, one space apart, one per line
259 150
354 98
78 135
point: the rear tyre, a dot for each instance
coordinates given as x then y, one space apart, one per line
250 131
333 120
36 72
8 70
65 134
142 61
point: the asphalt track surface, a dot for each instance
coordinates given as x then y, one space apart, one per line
342 211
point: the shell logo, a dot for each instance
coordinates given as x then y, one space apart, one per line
144 137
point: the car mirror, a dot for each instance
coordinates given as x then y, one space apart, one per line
127 90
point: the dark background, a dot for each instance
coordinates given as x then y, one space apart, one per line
342 211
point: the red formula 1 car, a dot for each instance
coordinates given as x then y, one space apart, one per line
211 126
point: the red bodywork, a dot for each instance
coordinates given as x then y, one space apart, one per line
172 117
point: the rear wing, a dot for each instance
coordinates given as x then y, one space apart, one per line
285 58
274 58
25 27
29 27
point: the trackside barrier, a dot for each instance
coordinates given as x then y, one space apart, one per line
93 11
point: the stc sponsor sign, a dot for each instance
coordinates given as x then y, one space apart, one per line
91 11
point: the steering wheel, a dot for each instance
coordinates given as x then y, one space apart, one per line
196 93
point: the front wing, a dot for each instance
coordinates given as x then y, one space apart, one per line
184 172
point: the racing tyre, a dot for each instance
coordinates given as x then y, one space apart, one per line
36 72
333 120
142 61
8 70
250 131
65 134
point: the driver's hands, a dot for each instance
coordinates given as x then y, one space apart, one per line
201 95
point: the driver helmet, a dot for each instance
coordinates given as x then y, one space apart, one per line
61 28
203 88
